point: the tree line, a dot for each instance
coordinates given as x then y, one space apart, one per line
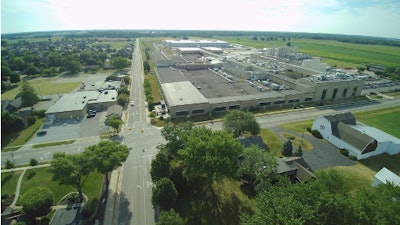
209 34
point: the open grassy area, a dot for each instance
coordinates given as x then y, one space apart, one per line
148 43
43 86
298 127
272 141
14 141
355 177
334 53
9 182
297 141
375 163
43 177
383 119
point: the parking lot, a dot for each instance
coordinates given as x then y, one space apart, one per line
72 129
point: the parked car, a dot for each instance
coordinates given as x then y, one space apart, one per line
132 103
90 115
42 133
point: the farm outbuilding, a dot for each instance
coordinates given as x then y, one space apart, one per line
343 131
386 176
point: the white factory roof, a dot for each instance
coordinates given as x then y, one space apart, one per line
194 41
182 93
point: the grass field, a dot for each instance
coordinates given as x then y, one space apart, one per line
43 86
383 119
14 141
355 177
9 182
148 43
272 141
333 52
297 141
42 177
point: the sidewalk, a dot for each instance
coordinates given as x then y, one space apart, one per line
111 211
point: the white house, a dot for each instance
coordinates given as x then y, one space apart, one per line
361 141
384 176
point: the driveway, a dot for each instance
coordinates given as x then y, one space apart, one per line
323 154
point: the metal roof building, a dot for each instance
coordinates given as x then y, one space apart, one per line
384 176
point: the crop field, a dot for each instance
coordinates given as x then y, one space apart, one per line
333 52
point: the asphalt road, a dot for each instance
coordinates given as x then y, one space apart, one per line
135 205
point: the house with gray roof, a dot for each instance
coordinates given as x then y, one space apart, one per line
343 131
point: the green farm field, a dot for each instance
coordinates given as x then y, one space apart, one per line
383 119
333 52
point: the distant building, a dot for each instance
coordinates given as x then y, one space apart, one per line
284 51
195 43
342 131
314 64
385 176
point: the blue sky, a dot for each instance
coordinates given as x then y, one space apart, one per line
379 18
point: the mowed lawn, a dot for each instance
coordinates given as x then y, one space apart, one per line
43 87
333 52
383 119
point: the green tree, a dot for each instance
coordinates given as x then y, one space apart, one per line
28 94
33 162
108 156
123 90
120 62
170 218
146 66
239 122
9 164
209 155
31 70
160 167
258 167
73 66
164 194
71 169
115 122
281 205
11 123
5 72
15 78
287 148
37 202
175 135
123 99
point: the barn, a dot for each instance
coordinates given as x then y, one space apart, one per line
343 131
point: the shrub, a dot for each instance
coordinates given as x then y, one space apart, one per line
308 129
316 134
352 157
39 113
344 152
31 120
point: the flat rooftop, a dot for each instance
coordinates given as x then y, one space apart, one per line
182 93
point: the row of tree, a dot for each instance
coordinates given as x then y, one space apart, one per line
208 34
